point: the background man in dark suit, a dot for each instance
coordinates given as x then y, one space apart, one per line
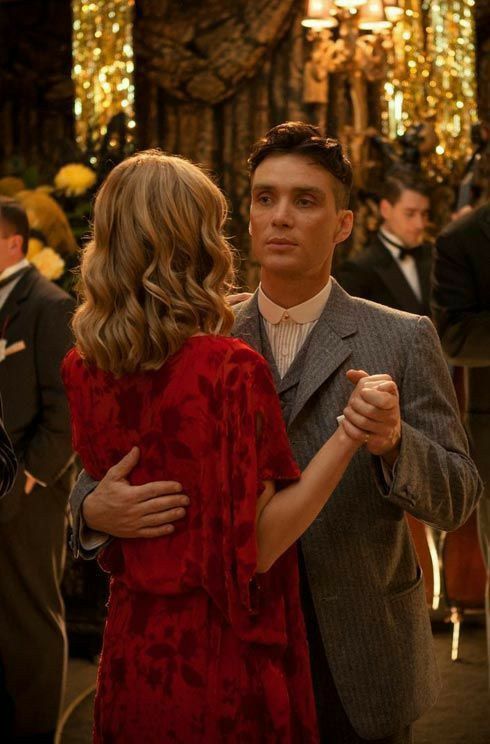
461 305
395 269
34 319
371 652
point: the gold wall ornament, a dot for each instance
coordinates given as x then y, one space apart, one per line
102 67
360 51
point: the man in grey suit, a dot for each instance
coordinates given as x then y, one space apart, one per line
370 639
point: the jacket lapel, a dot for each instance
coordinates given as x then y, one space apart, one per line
392 276
327 348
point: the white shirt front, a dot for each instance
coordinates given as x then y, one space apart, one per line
407 266
288 328
5 291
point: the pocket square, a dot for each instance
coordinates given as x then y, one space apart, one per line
6 351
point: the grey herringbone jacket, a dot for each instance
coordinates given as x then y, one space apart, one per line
364 576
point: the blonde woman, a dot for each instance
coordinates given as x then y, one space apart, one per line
204 640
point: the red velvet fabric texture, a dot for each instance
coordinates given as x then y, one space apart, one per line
197 647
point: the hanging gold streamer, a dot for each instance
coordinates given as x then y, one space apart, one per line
431 78
102 66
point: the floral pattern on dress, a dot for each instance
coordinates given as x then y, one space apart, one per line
198 648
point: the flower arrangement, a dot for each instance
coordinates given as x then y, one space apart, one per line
49 263
58 214
75 179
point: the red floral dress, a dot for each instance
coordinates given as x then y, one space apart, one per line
197 647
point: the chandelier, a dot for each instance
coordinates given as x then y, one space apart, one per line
355 38
363 40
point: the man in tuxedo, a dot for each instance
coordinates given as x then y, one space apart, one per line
370 639
461 306
395 269
35 335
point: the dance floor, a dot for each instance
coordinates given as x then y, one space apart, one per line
461 716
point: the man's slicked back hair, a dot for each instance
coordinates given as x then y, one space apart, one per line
393 187
300 138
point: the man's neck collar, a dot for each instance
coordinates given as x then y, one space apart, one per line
304 312
390 237
23 263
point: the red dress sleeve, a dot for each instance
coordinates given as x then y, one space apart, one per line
256 448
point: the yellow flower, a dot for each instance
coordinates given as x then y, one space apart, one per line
74 179
35 246
49 263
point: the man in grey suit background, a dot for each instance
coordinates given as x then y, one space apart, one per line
370 639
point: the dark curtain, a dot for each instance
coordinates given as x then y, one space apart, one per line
36 92
212 77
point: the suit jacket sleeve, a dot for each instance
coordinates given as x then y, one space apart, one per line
94 541
49 451
464 329
434 477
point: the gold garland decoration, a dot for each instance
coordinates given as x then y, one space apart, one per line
431 78
102 67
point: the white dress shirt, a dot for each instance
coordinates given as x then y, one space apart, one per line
407 265
5 291
288 329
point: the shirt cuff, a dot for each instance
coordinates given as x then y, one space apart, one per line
90 539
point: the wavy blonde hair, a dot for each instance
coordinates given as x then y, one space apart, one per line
158 267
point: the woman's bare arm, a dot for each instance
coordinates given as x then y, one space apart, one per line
282 517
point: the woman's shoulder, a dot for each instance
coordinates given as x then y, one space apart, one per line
239 352
228 347
71 363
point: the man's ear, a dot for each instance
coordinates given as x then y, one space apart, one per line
15 244
344 226
385 209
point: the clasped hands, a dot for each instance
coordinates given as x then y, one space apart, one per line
371 416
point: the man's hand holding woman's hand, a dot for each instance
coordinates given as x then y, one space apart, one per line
372 414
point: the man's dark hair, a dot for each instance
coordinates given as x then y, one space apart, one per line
299 138
394 186
14 215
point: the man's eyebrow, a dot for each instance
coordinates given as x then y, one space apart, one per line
296 189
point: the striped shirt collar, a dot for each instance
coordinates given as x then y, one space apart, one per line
306 312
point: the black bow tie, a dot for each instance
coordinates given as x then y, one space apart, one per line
403 252
16 275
